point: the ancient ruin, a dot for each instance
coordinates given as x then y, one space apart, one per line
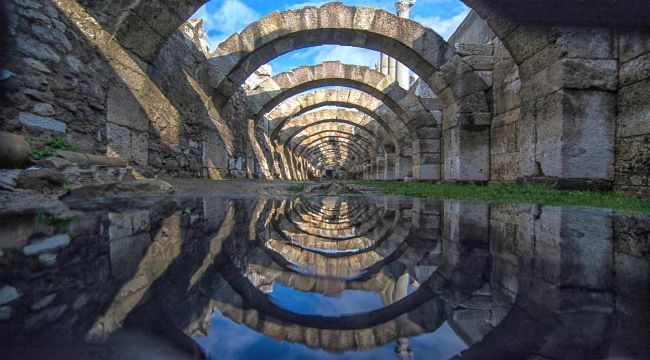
506 99
103 99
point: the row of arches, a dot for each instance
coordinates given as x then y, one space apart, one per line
455 132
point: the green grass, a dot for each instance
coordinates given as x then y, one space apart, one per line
512 194
54 221
296 188
50 149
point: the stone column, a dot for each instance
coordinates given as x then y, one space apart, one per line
383 64
390 167
404 166
381 167
391 67
403 8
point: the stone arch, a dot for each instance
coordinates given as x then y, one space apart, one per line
359 140
346 146
465 105
374 89
390 167
423 126
301 135
329 134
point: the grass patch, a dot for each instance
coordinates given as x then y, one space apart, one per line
297 188
512 194
54 221
50 149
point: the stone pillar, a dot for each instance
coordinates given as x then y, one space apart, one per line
427 154
381 168
404 167
391 169
383 64
391 67
568 110
402 72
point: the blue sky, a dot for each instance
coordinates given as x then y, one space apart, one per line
225 17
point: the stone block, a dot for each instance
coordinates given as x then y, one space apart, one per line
504 139
588 134
505 71
119 141
526 41
479 62
426 172
588 43
504 167
540 61
42 122
633 44
464 49
507 97
125 110
140 147
635 70
47 245
633 161
589 74
426 146
634 109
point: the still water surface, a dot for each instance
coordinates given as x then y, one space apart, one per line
320 277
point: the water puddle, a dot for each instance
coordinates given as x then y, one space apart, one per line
323 276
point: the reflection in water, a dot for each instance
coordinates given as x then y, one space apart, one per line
324 277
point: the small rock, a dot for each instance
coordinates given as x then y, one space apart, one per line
38 95
40 179
59 25
2 253
9 177
80 302
8 294
47 245
5 312
43 109
47 259
37 65
32 47
42 303
15 151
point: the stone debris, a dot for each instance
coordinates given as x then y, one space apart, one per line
8 294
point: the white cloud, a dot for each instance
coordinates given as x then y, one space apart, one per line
233 16
444 27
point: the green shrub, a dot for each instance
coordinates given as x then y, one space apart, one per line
51 148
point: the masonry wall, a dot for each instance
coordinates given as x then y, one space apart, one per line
569 105
632 170
67 78
481 48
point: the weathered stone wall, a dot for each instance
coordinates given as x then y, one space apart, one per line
568 104
57 82
632 171
68 78
481 48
